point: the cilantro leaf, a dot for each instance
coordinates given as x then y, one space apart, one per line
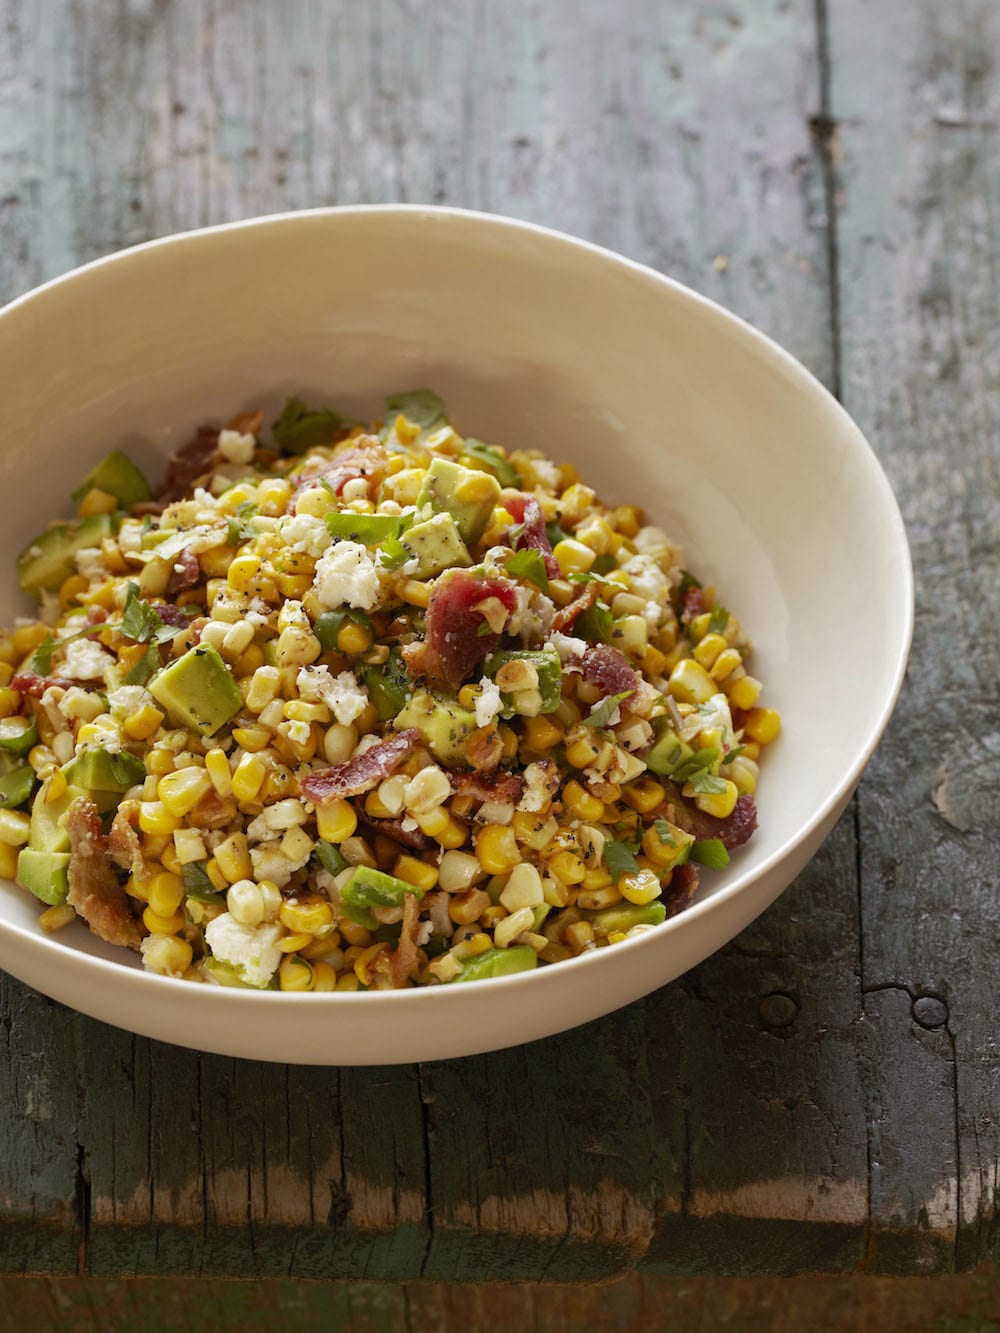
707 784
299 428
688 581
41 661
143 670
421 406
595 624
140 621
710 852
732 754
197 883
619 859
528 564
664 832
555 533
589 577
697 763
602 713
504 471
718 620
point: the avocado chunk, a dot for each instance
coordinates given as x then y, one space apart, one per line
445 724
225 974
44 874
198 690
388 685
16 786
100 770
498 963
368 529
436 545
623 916
469 496
369 888
47 832
18 734
549 668
46 563
667 753
118 476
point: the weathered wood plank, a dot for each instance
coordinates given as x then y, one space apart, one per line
919 241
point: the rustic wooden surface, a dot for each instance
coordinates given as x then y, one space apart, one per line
820 1096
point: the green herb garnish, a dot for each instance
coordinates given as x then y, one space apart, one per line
718 620
300 428
601 714
528 564
710 852
620 860
421 406
504 471
141 622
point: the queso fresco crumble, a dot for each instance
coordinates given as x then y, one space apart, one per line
365 708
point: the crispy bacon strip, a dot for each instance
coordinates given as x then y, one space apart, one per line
368 460
94 891
363 771
124 847
393 828
185 572
506 788
607 669
565 617
403 959
528 513
453 645
28 682
189 463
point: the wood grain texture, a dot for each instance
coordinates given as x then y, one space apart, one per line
797 1103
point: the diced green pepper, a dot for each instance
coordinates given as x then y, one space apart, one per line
549 669
388 685
329 857
18 734
330 623
369 529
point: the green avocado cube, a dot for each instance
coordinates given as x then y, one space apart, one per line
445 724
198 690
47 562
498 963
101 770
667 752
118 476
469 496
549 668
623 916
388 684
18 734
16 785
44 874
436 545
368 888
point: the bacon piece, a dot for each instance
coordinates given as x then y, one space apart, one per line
692 606
403 959
528 512
732 831
565 617
505 788
368 460
363 771
143 507
94 891
184 573
681 888
606 668
484 749
30 683
96 615
453 645
124 847
171 614
189 463
393 828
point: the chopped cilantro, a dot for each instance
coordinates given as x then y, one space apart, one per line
504 471
41 661
718 620
735 753
664 832
710 852
145 669
619 859
298 428
421 406
393 554
555 533
528 564
688 581
602 713
594 624
697 763
604 564
141 622
707 784
197 884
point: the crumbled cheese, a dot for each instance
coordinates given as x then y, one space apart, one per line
489 703
344 695
91 563
547 472
85 661
653 613
269 862
533 615
566 646
536 788
302 532
235 446
651 538
647 580
495 560
347 576
424 932
252 949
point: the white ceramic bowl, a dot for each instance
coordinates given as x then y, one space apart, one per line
534 339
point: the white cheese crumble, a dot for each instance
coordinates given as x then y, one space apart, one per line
547 472
90 562
346 698
347 576
85 661
489 703
533 615
269 862
566 646
252 949
302 532
128 699
236 446
536 788
647 579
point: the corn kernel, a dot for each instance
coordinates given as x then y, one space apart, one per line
417 872
54 918
354 638
641 888
573 557
167 955
180 792
523 889
154 817
324 976
293 943
507 930
707 650
245 903
468 906
10 702
158 761
453 834
581 747
56 786
162 925
295 974
415 593
165 893
217 768
745 692
233 858
248 776
567 867
720 804
496 849
643 794
542 733
690 683
306 917
534 830
336 820
8 861
581 802
577 936
725 664
763 725
433 822
143 723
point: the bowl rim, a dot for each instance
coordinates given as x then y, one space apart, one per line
894 533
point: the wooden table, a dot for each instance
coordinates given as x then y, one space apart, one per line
823 1093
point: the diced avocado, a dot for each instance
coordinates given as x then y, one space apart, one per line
330 623
44 874
369 888
16 786
668 752
388 685
368 529
100 770
445 724
46 563
18 734
47 832
436 545
675 847
118 476
498 963
549 669
467 495
623 916
198 690
225 974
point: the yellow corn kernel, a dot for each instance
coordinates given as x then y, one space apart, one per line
336 820
6 673
56 786
233 858
306 917
417 872
725 664
167 955
354 638
744 772
293 943
8 861
356 936
243 572
643 794
578 935
26 638
218 879
324 977
641 889
141 724
595 878
744 693
263 688
468 906
96 501
71 588
720 804
217 768
416 594
510 742
273 497
763 725
295 974
253 739
567 868
293 585
581 747
365 962
375 806
248 776
654 663
575 502
573 557
690 683
169 856
154 817
433 822
542 733
56 917
180 792
162 925
452 835
707 650
348 982
468 695
165 893
158 762
496 849
10 702
581 802
597 534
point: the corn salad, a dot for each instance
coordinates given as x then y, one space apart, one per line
365 708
